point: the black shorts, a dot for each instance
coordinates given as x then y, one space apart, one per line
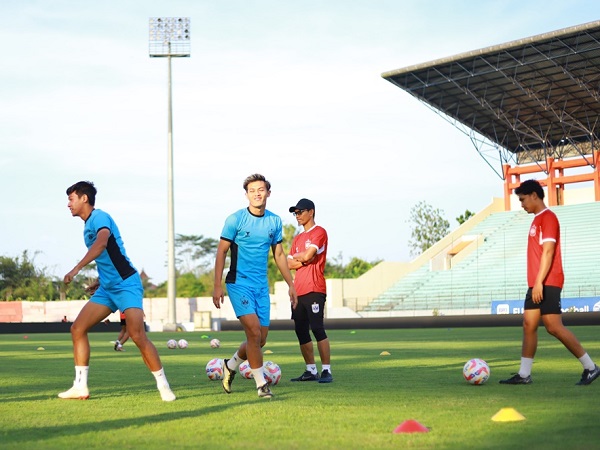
310 307
550 303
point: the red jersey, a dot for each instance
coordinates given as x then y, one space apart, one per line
311 278
544 228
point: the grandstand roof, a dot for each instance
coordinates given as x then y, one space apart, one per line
527 99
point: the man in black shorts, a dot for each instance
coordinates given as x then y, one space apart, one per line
545 278
307 257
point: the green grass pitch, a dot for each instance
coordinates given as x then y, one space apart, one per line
371 394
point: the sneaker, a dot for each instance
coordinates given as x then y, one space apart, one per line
326 377
166 394
589 375
517 379
75 393
117 345
264 391
228 376
120 348
307 376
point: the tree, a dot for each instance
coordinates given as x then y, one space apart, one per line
195 253
428 227
335 268
20 279
464 217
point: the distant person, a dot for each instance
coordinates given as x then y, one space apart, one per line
123 334
307 257
250 233
119 287
64 319
545 278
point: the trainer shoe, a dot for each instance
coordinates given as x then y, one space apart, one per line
117 345
326 377
517 379
228 376
75 393
166 393
120 348
589 375
264 391
307 376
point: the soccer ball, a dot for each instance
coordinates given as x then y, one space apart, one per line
172 343
245 370
182 343
476 371
272 372
215 343
214 369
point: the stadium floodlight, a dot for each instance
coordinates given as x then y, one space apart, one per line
170 38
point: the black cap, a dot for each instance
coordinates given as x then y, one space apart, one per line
303 203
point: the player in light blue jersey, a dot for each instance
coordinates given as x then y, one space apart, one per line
249 234
118 287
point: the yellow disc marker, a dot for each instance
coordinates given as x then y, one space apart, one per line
507 415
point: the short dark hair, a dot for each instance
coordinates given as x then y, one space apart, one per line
529 187
256 177
84 187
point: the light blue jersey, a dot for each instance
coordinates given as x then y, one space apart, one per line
251 238
112 264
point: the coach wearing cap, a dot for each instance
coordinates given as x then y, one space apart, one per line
307 257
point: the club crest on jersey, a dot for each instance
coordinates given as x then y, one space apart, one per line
315 308
532 231
307 243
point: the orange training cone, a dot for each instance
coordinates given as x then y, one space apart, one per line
411 426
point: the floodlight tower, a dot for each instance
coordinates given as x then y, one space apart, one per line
170 38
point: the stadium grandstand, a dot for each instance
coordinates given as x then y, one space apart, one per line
530 107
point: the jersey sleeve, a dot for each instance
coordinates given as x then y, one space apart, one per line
278 235
230 228
550 228
319 239
101 220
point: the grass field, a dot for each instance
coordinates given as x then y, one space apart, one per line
371 394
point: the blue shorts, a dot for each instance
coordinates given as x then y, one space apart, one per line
248 300
129 293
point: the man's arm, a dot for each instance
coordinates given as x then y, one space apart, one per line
93 252
282 265
301 259
218 295
537 293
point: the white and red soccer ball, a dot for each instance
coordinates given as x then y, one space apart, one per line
246 370
476 371
272 372
182 343
171 343
215 343
214 369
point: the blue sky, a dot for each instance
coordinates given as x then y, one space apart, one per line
292 90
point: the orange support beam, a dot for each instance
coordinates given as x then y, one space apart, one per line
555 179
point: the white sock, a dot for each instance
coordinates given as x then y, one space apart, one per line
312 368
526 365
587 362
234 362
327 367
161 378
259 377
81 376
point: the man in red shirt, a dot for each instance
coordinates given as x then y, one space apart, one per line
307 257
545 279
